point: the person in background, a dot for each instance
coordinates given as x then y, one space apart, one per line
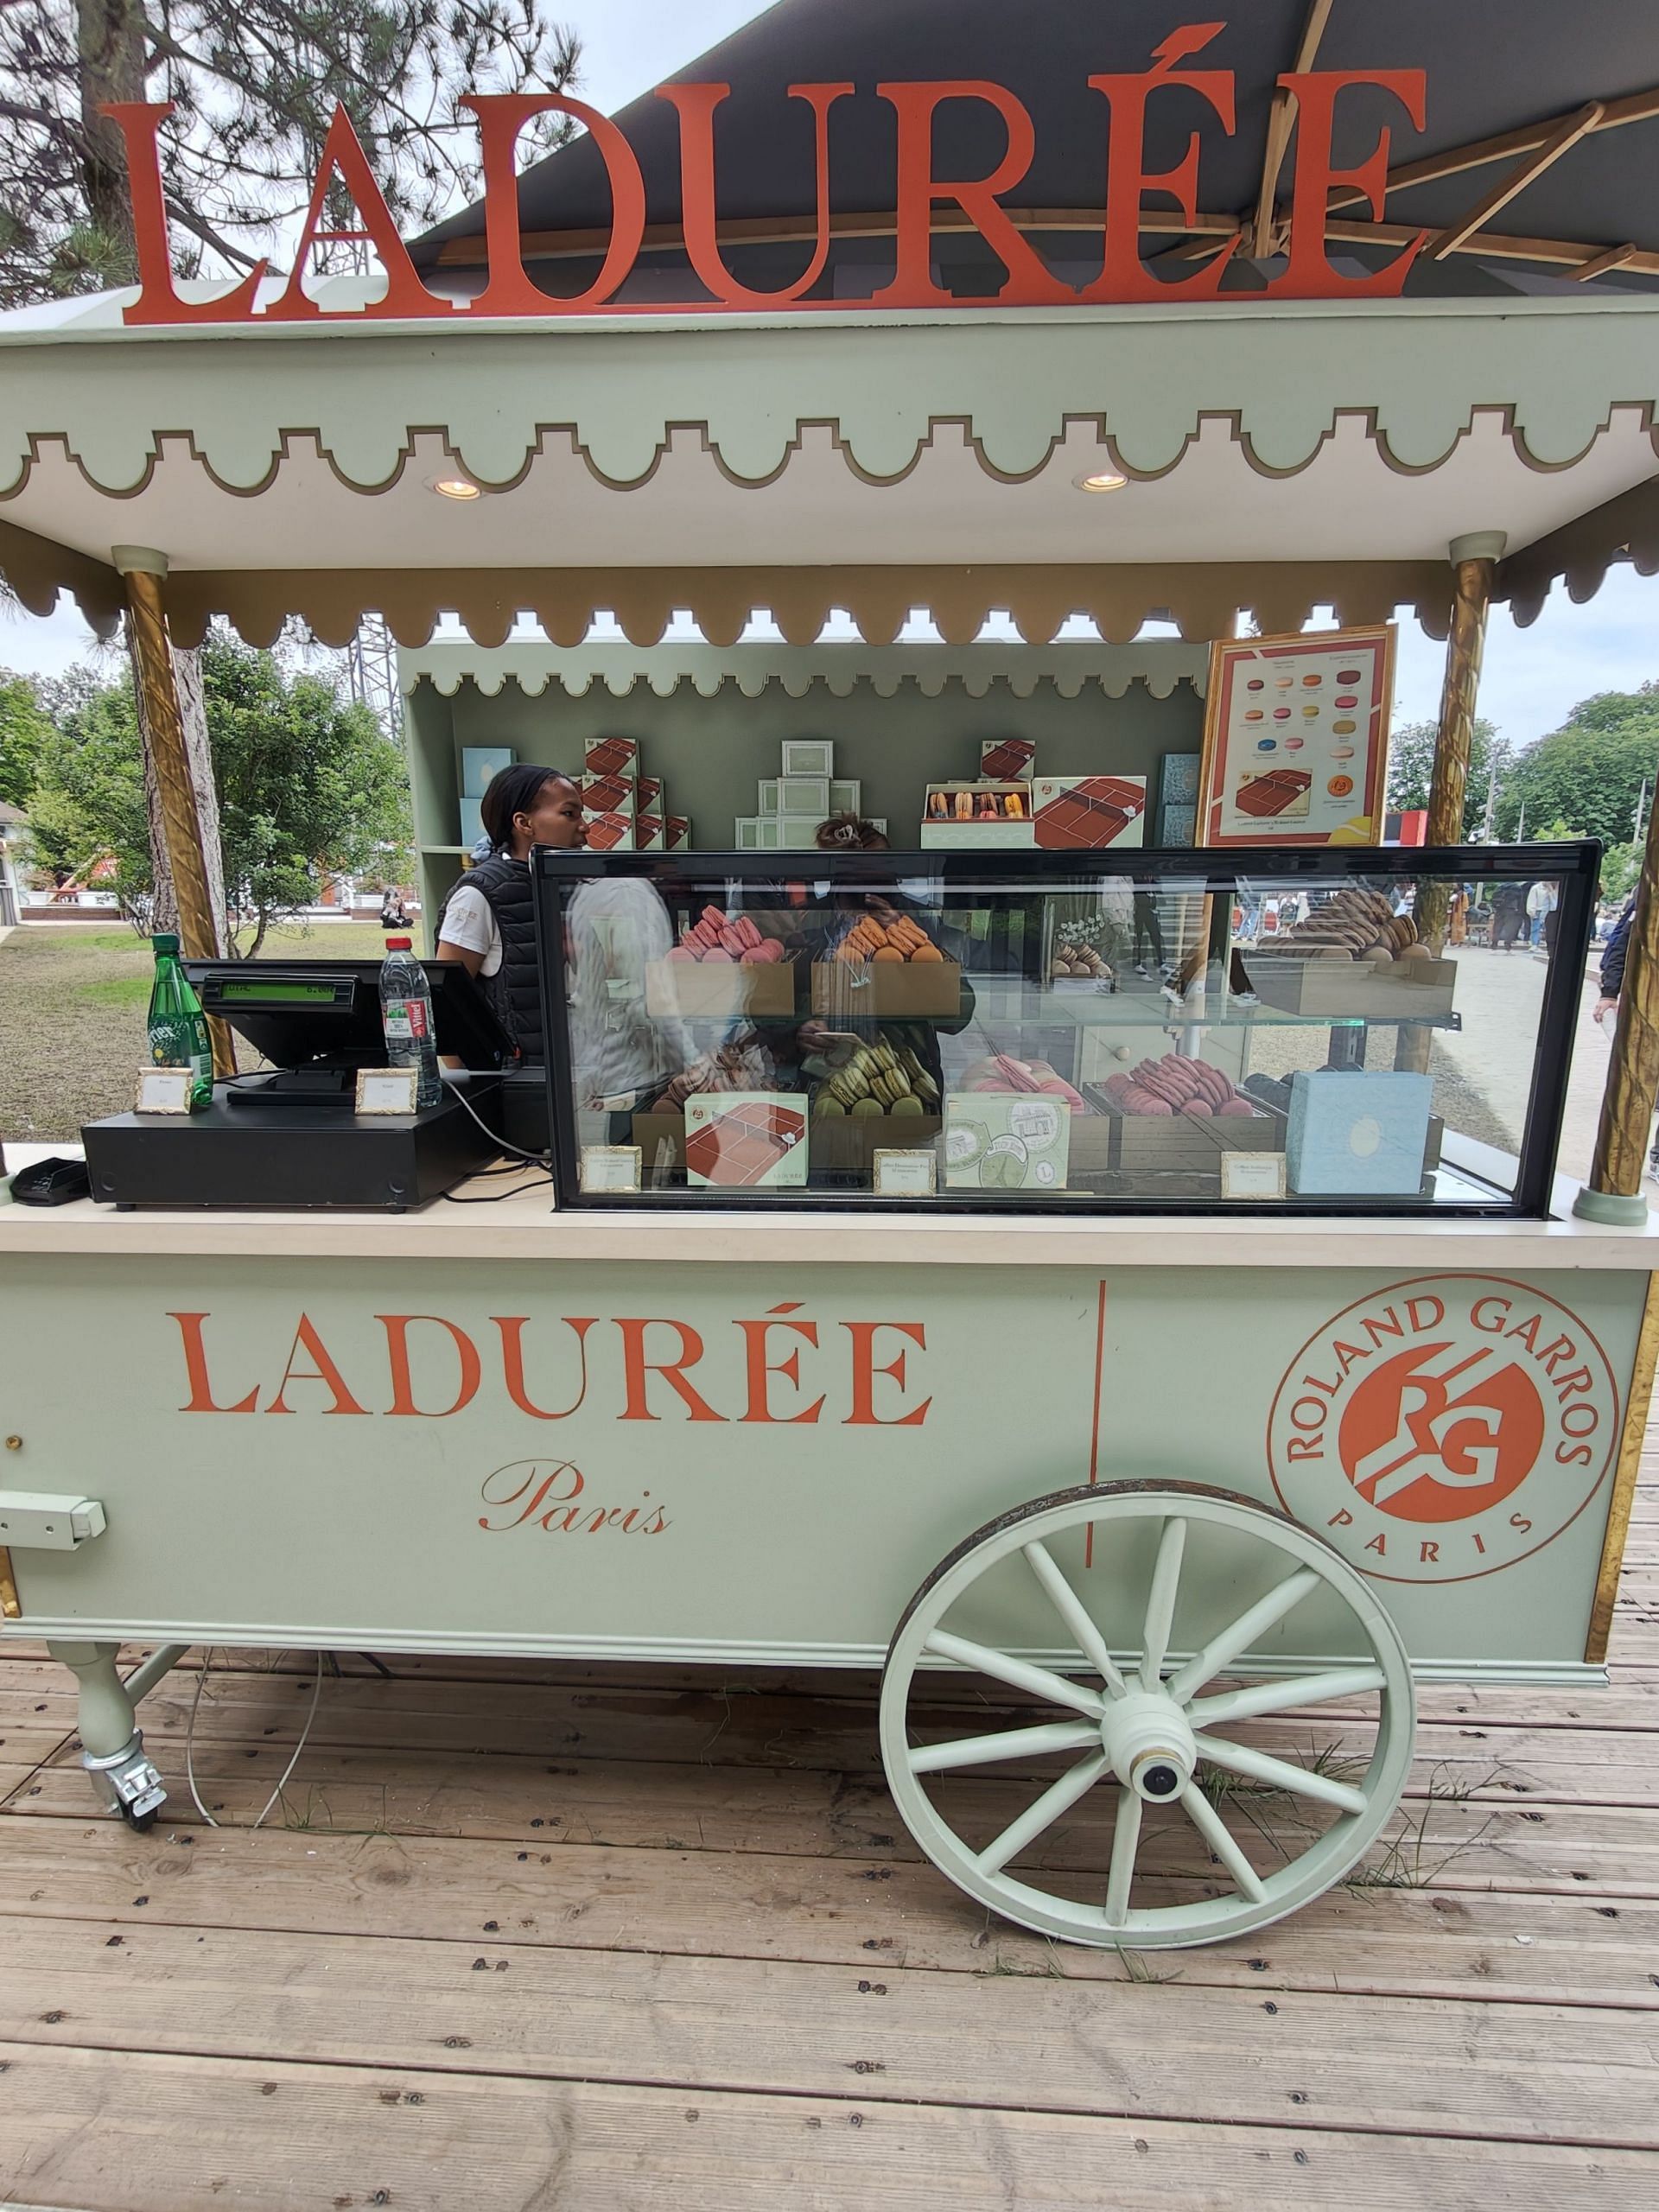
487 924
1508 915
1541 906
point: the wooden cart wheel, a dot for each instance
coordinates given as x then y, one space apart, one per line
1209 1600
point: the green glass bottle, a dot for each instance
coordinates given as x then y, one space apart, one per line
178 1027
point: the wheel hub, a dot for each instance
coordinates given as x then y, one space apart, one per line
1150 1746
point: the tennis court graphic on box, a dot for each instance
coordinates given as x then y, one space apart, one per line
1083 813
741 1139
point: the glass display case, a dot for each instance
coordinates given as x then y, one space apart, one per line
1337 1031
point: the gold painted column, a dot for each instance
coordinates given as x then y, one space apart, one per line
1614 1190
1473 560
152 652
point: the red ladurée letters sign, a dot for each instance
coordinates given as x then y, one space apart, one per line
509 290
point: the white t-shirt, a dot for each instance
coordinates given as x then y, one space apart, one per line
469 921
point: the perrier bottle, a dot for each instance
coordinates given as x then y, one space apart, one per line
178 1027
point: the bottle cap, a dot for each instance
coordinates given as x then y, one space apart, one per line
166 942
399 943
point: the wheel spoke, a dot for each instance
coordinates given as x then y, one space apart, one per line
1059 1798
1280 1773
1020 1674
1239 1635
1211 1826
1007 1744
1126 1835
1071 1611
1160 1606
1280 1696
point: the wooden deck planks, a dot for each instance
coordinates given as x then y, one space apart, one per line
703 1905
160 2133
1529 2072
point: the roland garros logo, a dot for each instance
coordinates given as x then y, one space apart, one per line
1443 1427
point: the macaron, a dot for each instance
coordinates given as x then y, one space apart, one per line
1344 728
1253 715
1313 682
1282 714
1342 753
1309 713
1347 676
1255 683
1284 682
1267 745
1346 699
1339 786
1294 744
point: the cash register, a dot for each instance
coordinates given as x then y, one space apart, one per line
287 1135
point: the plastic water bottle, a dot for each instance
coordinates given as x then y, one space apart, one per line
406 1016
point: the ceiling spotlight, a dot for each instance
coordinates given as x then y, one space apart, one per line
456 487
1105 480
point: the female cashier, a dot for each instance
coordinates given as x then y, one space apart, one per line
487 923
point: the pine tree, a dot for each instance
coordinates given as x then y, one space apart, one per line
255 85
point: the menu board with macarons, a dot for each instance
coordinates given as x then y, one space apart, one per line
1296 739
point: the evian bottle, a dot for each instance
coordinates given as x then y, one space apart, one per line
406 1016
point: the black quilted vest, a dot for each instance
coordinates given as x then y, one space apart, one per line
515 990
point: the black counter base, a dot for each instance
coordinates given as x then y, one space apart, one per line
243 1154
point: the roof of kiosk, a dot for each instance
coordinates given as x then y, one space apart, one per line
1278 453
1504 79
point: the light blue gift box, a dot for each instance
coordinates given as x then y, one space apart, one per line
1354 1134
479 763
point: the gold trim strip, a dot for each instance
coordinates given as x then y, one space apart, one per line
1624 1479
12 1605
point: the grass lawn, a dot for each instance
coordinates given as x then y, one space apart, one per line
71 1018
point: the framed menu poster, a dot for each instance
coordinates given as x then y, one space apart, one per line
1296 739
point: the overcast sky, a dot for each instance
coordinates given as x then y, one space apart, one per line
1531 679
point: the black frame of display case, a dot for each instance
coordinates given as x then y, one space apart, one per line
1575 866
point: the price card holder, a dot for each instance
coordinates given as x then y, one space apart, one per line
387 1091
906 1174
611 1166
163 1090
1253 1175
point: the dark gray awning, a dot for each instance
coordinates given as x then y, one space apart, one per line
1494 66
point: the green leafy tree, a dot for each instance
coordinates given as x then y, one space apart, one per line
25 731
1411 769
86 810
1620 867
309 785
254 86
1590 772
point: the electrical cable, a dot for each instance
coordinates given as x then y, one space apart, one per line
495 1198
190 1742
543 1159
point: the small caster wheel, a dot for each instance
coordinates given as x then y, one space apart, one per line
141 1823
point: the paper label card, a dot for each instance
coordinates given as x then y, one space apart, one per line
906 1174
387 1091
611 1166
163 1090
1253 1175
